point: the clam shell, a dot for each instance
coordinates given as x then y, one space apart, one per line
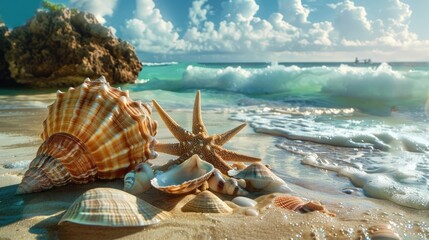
206 202
114 208
223 184
92 131
383 231
258 175
138 180
185 177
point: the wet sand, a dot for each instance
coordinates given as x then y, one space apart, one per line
36 216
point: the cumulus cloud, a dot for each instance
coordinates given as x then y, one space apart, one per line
239 10
288 31
351 21
198 12
293 11
149 32
100 8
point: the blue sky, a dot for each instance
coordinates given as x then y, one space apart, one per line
258 30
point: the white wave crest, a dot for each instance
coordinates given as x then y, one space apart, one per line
159 63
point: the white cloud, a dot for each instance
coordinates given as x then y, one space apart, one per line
293 11
239 10
100 8
149 32
198 12
285 33
351 21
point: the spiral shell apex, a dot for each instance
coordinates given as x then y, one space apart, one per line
92 131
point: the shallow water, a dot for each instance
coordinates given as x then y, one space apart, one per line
370 120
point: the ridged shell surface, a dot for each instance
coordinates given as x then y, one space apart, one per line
206 202
257 174
113 208
184 177
289 202
92 131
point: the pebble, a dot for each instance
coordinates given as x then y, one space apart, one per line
244 202
251 212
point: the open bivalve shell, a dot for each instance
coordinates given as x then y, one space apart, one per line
184 177
113 208
92 131
207 202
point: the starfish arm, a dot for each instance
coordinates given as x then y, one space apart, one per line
177 131
223 138
169 148
217 161
236 157
197 120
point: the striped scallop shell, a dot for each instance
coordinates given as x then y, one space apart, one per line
207 202
257 174
113 208
223 184
289 202
92 131
185 177
383 231
295 203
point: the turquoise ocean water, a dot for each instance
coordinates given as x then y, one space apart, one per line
366 122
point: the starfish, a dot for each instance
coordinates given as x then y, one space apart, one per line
209 148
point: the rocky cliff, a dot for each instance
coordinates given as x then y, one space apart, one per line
61 48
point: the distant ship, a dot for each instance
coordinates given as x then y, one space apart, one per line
363 61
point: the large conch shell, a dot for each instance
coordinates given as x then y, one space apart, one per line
260 178
226 185
113 208
185 177
92 131
138 180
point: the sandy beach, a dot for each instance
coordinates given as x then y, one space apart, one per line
36 215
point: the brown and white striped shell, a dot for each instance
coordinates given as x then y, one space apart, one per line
113 208
226 185
207 202
295 203
259 177
92 131
184 177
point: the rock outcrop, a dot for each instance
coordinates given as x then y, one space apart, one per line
5 79
62 48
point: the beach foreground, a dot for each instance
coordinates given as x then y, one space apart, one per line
36 216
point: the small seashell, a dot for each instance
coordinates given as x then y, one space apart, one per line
223 184
207 202
244 202
251 212
92 131
316 206
295 203
383 231
185 177
289 202
259 177
113 208
138 180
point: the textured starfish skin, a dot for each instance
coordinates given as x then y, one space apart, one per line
199 141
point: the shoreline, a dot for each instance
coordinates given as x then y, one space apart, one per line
34 216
